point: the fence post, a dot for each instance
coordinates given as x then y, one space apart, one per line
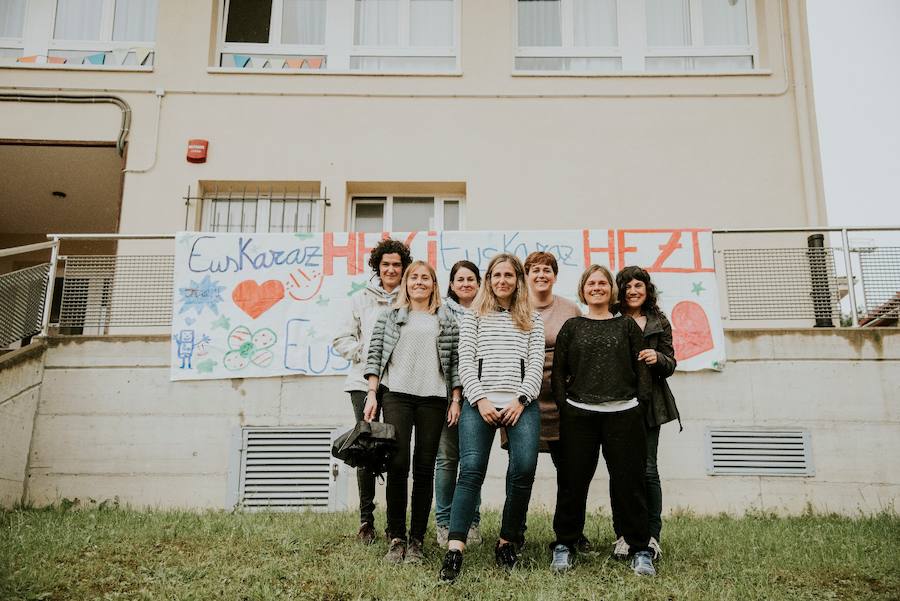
848 264
48 294
819 280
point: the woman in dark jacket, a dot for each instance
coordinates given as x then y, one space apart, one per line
637 299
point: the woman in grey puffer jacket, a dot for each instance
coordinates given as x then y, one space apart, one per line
413 360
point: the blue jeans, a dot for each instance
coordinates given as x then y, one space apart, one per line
476 438
445 470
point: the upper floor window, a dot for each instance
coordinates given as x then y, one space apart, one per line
607 36
340 35
93 32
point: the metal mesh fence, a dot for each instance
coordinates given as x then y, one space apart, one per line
880 271
22 302
127 290
781 283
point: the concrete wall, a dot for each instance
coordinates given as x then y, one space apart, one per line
111 424
20 380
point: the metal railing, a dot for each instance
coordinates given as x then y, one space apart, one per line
22 296
768 276
839 281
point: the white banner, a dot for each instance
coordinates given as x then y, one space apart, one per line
256 305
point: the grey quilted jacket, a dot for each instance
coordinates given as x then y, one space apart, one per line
387 332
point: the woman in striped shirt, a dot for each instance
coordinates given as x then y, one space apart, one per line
501 361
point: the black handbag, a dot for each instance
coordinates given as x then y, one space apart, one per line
370 445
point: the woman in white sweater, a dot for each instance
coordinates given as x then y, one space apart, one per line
501 362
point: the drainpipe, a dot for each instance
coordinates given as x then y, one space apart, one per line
124 129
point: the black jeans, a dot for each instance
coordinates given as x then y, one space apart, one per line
654 487
426 415
622 438
365 480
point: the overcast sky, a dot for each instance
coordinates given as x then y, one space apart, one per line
856 75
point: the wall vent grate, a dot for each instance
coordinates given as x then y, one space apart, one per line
757 452
286 468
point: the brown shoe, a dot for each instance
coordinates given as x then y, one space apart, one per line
414 554
396 552
366 534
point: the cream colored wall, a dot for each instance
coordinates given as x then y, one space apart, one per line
620 151
111 424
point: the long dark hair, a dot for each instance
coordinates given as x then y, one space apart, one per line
633 272
456 266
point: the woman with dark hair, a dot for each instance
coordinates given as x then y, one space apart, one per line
465 279
501 359
638 301
600 386
388 260
412 361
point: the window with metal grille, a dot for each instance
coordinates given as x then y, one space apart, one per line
230 207
756 452
288 469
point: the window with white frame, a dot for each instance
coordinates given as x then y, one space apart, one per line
12 25
76 32
340 35
274 209
608 36
406 213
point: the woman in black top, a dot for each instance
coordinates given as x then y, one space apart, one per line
600 387
637 299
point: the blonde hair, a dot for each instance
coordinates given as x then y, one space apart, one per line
613 290
519 307
434 300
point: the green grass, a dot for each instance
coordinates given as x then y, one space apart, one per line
123 554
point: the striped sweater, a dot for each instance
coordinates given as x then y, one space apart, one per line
496 356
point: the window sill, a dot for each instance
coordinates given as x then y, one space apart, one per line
755 72
64 67
303 72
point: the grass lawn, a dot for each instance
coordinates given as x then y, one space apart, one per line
125 554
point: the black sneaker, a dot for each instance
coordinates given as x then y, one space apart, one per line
452 566
506 555
584 546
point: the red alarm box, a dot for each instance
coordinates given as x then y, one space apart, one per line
197 151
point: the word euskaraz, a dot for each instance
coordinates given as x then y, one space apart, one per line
247 258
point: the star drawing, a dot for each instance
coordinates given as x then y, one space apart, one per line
198 295
697 288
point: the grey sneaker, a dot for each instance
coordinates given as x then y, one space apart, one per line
621 549
396 552
561 559
443 536
642 564
655 548
473 538
414 554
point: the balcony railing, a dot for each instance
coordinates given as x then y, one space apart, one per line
785 277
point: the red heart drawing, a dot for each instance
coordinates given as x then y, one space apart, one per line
255 299
690 330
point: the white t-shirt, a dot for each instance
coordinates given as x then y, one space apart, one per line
608 407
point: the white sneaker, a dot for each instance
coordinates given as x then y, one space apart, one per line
655 548
621 549
443 536
473 538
